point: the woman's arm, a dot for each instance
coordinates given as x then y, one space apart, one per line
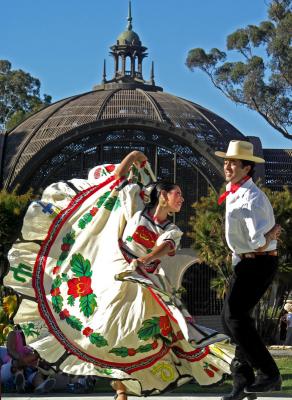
125 165
158 251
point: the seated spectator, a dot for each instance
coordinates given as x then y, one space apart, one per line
6 376
24 365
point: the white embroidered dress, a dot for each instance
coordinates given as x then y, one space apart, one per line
85 306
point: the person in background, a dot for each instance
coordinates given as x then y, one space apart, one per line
24 364
288 340
251 235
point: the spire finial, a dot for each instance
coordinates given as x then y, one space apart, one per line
152 74
104 72
129 17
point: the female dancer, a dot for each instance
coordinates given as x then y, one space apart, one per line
89 267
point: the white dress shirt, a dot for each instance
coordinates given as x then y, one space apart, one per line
249 216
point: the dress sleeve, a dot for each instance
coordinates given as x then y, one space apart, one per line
131 200
172 234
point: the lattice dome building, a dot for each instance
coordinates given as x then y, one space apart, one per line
179 137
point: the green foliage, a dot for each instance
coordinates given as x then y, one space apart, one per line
8 306
262 84
207 231
208 234
19 95
12 209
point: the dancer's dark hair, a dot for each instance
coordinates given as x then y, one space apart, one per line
156 189
244 163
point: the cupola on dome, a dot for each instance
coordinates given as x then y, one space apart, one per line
128 37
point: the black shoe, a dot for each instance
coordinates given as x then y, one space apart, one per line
239 396
265 383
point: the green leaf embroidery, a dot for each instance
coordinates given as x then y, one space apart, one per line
63 255
71 300
144 349
30 329
150 328
88 304
57 282
102 199
80 266
110 203
57 302
117 204
105 371
98 340
81 224
75 323
120 351
129 239
87 218
65 277
69 238
135 170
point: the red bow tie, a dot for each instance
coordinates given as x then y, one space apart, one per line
233 189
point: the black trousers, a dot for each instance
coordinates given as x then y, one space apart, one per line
250 280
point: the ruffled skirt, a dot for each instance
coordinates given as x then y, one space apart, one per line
89 312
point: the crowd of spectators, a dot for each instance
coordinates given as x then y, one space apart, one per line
23 371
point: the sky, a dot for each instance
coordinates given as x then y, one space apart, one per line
64 42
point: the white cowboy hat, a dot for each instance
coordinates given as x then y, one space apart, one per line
240 150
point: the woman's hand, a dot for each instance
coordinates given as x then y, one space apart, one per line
135 157
140 158
143 260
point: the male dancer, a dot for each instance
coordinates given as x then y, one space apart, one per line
251 234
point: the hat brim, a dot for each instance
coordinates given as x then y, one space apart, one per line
240 157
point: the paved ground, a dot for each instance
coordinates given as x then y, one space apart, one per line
108 397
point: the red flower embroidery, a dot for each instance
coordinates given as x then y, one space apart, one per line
65 247
79 286
110 168
154 345
56 270
131 352
164 325
87 331
209 372
213 368
64 314
97 173
145 237
93 211
55 292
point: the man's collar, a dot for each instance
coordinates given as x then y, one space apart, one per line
243 188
